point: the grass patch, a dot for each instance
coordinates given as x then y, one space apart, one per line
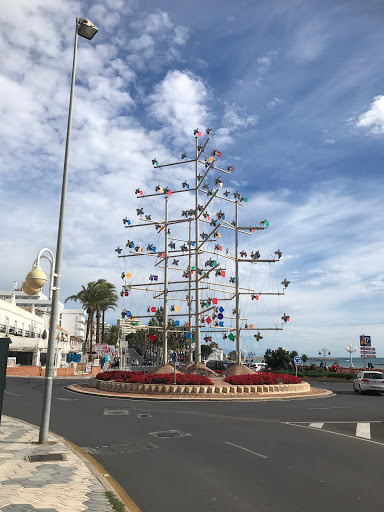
117 505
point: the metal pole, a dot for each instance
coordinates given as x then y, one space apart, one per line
238 345
165 327
46 412
197 297
190 357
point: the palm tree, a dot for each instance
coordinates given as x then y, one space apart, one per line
112 335
95 297
88 297
107 300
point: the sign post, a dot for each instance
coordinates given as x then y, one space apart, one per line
365 341
297 362
174 357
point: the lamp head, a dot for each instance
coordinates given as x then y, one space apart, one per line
86 28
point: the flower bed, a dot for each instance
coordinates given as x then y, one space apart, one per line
263 378
165 378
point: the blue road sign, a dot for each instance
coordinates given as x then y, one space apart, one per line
221 309
365 341
297 360
174 357
220 316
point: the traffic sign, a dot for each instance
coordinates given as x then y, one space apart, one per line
221 309
174 357
297 360
365 341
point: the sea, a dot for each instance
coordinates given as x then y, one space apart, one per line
358 362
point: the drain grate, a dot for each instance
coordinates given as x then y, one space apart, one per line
144 416
169 433
116 412
46 457
119 449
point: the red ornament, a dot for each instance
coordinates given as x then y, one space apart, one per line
214 301
126 294
152 338
153 309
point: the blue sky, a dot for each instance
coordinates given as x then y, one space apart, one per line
293 91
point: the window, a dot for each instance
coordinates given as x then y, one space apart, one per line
373 375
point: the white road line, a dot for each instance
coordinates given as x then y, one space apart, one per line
363 430
246 450
338 433
9 393
316 425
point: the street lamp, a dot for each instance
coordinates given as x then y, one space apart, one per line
86 29
350 349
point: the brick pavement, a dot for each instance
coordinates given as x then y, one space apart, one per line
65 486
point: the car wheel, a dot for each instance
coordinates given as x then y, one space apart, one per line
361 391
354 389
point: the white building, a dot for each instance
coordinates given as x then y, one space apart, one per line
216 355
72 320
28 329
39 301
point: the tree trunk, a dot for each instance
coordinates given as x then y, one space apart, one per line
91 336
97 325
102 328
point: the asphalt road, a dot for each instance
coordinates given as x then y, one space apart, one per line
237 456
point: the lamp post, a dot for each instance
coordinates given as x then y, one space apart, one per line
85 29
351 350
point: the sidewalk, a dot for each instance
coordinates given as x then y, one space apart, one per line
71 485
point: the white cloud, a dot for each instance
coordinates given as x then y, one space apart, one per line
234 122
274 102
373 118
179 101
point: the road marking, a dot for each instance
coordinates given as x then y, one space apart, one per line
308 422
246 450
9 393
327 408
316 425
337 433
115 412
363 430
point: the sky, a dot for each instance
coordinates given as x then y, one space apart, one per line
293 91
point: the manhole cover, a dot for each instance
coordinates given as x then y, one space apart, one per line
169 433
46 457
118 449
144 416
115 412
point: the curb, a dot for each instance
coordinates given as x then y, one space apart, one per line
178 398
107 481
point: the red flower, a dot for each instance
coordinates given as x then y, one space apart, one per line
261 378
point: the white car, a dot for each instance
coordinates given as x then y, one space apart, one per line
369 381
258 366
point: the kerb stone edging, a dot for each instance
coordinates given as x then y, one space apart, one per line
169 389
